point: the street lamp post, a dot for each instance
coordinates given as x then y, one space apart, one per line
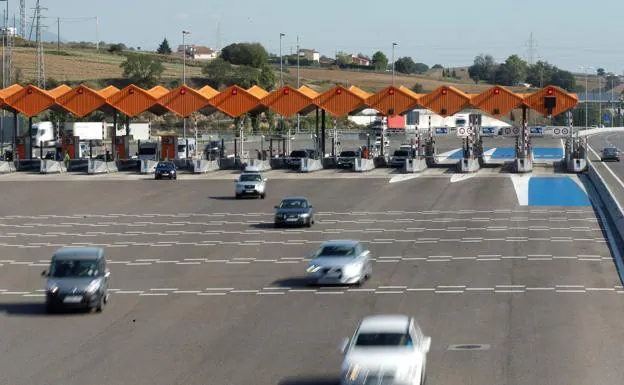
586 95
184 33
281 61
298 55
393 45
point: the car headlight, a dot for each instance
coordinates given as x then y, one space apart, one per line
93 286
52 287
353 373
304 215
313 269
353 269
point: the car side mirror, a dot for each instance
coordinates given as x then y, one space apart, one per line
426 344
276 207
44 273
344 343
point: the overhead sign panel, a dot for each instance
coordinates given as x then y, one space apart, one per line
536 131
489 131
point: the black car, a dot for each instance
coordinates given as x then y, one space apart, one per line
166 170
346 159
610 153
294 211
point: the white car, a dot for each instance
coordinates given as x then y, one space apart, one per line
385 349
250 184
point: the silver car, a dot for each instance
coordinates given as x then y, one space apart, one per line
251 184
78 278
340 262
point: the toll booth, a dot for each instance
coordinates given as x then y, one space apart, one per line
71 145
122 147
168 147
23 147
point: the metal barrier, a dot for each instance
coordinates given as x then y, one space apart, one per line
202 166
415 165
311 165
7 167
258 165
49 166
613 208
100 167
363 164
148 166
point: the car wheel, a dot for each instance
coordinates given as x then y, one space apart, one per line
49 309
309 223
100 305
262 196
276 225
238 196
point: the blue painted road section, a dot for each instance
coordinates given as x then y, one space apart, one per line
556 191
554 153
458 154
504 153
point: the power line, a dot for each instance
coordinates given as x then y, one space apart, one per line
22 30
40 61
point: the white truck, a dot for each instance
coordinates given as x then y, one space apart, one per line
43 132
192 148
138 131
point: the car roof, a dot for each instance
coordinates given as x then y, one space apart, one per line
338 242
295 198
385 323
78 253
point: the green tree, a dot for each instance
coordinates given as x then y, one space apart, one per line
247 54
405 65
418 88
267 78
600 72
218 72
512 71
483 68
437 67
164 48
142 70
421 68
540 73
343 59
380 61
454 74
117 48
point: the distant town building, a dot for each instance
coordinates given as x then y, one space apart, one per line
359 60
310 54
198 52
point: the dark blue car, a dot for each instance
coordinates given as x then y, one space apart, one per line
294 211
166 170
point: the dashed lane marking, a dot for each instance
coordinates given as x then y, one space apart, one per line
291 242
298 260
324 213
332 290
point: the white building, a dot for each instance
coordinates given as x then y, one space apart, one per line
198 52
310 54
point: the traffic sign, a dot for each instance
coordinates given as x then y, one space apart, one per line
564 131
489 131
462 131
441 131
470 131
536 131
557 131
508 131
606 118
516 131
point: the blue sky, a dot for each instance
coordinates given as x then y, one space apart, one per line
569 34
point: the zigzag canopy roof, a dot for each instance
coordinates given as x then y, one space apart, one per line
287 101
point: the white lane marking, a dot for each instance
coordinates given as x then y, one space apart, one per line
607 167
521 187
403 178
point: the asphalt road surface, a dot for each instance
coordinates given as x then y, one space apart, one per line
207 292
611 172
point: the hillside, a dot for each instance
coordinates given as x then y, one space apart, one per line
77 65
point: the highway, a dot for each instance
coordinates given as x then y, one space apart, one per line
612 172
206 291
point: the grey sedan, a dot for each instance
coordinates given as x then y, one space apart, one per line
340 262
294 211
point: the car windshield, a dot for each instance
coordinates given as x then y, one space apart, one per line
251 178
337 251
298 154
383 339
400 153
348 154
610 150
147 151
74 268
164 165
294 204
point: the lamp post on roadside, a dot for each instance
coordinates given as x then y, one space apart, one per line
586 95
184 33
281 61
393 45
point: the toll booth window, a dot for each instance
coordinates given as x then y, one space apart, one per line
298 154
181 147
147 151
